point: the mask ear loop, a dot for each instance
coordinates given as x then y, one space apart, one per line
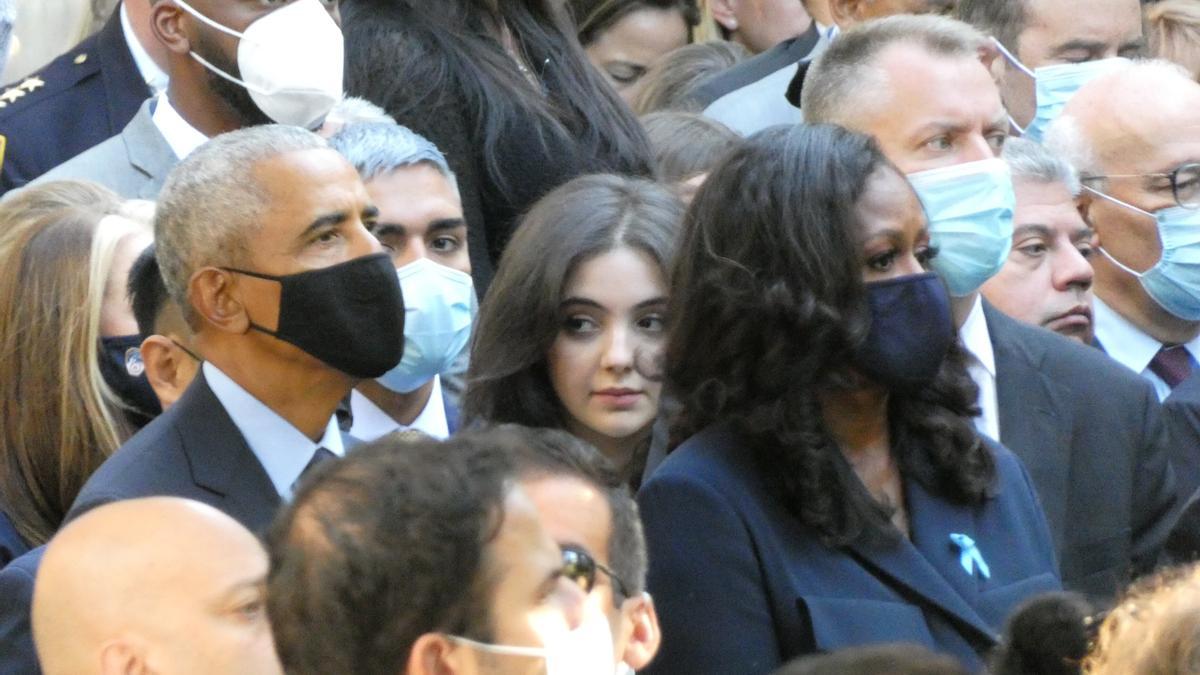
1016 63
503 650
1105 253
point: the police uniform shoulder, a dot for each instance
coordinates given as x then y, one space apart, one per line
63 73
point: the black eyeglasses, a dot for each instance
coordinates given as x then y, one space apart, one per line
579 566
1185 183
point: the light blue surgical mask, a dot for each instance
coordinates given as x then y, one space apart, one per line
970 211
1174 281
439 304
1055 85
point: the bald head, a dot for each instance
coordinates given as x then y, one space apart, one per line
161 583
1109 124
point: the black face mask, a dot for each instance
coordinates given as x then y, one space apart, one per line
349 316
911 331
122 368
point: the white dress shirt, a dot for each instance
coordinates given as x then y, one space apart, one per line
281 448
154 76
981 365
181 136
1130 346
371 423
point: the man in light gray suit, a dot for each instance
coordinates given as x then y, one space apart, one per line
197 105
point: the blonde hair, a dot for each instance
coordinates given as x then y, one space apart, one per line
1155 630
59 418
708 30
1174 27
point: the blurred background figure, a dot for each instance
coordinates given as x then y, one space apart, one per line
1155 629
625 38
672 82
1047 278
558 344
44 29
71 382
159 584
1174 33
353 110
758 25
897 659
1046 635
686 147
504 92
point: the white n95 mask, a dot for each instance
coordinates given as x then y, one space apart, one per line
438 308
587 650
291 62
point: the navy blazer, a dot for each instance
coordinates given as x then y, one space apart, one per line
742 586
12 544
79 99
1092 435
192 450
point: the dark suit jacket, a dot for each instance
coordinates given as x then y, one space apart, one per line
12 544
17 655
742 586
84 97
192 450
1091 434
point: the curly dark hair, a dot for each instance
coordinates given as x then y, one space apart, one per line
767 306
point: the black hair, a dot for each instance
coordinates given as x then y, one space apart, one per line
551 452
893 659
384 546
594 17
147 292
1049 634
447 46
768 306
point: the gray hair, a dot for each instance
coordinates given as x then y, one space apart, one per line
848 69
1002 19
1032 162
378 149
355 110
212 203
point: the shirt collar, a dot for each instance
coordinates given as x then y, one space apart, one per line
281 448
371 423
154 76
1126 343
181 136
976 338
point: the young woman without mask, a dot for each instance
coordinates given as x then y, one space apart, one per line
832 490
504 90
571 332
624 38
71 390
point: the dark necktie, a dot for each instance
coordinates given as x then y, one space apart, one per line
1172 364
318 457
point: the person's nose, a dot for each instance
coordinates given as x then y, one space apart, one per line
618 349
573 601
1071 269
908 265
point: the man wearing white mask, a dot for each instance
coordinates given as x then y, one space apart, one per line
1053 47
231 65
1141 167
421 224
428 558
1090 433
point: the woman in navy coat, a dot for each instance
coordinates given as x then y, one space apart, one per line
832 490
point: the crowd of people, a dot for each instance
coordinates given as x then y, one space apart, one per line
603 336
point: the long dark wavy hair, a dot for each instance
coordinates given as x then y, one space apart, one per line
448 46
768 304
508 381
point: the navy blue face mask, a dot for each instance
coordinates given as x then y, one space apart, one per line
123 372
911 331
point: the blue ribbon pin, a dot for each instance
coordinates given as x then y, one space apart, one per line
971 558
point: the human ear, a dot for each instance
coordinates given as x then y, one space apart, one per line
166 370
846 13
646 636
724 12
213 295
434 654
119 657
168 28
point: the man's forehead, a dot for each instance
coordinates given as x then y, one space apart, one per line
923 87
573 511
1107 21
1127 132
309 179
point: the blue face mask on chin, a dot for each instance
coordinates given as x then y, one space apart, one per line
1055 85
1174 281
970 211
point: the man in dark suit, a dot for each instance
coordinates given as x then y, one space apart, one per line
81 98
261 235
1091 434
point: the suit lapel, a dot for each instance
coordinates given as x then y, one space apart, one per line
220 460
148 150
1033 424
124 87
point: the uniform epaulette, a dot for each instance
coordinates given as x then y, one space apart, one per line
60 74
